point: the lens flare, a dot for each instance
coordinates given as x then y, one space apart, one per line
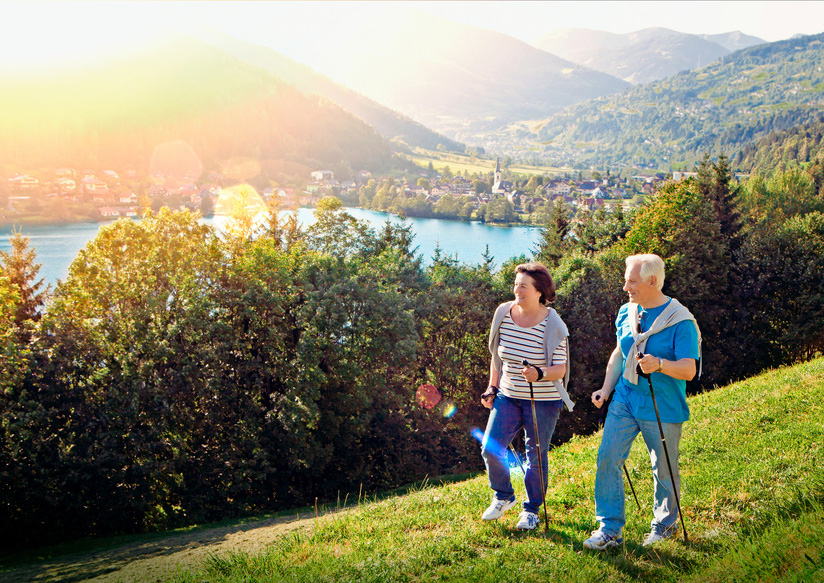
510 458
490 445
241 200
449 409
427 396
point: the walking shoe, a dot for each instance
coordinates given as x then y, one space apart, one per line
600 541
497 508
527 521
655 536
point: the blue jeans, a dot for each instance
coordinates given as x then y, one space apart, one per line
620 430
507 418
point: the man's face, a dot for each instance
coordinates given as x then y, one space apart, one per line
639 291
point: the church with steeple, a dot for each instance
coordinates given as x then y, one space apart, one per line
500 186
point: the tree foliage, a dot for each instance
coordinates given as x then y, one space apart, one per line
20 271
180 375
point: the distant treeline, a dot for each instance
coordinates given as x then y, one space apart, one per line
798 146
178 376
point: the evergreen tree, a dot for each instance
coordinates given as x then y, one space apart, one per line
552 245
489 260
21 271
715 184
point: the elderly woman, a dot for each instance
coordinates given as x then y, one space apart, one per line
524 329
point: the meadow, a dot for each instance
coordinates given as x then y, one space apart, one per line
752 498
463 163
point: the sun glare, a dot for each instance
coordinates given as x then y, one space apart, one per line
53 34
57 34
240 200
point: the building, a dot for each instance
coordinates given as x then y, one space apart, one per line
24 181
321 175
108 212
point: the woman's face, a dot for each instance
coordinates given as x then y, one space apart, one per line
525 292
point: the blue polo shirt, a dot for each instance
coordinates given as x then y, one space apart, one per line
673 343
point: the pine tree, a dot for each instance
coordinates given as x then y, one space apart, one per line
715 184
21 270
488 260
552 245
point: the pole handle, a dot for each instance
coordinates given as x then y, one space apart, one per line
638 370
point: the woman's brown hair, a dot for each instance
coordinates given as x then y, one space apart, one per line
540 278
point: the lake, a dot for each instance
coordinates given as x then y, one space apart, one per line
58 245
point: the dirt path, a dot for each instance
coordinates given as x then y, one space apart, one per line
155 561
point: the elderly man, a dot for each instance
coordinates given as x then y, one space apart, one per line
660 335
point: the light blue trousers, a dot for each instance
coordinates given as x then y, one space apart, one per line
620 430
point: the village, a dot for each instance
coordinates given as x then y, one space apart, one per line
67 194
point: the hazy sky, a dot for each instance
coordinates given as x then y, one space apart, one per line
52 32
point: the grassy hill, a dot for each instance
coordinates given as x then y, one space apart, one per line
753 490
718 108
115 115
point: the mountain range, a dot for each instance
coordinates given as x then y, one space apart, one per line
231 99
718 108
645 55
461 80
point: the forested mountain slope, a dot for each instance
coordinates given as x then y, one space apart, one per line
390 124
115 115
459 79
799 145
718 108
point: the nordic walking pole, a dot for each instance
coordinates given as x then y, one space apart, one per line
631 487
664 442
538 447
517 458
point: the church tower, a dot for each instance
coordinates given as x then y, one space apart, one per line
496 186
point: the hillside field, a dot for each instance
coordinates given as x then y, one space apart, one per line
460 163
753 489
751 461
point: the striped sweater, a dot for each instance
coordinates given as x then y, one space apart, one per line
517 344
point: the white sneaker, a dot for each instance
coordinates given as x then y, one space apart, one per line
655 536
497 508
527 521
600 541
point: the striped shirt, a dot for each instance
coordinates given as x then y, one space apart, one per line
517 344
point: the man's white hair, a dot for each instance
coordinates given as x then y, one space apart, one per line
651 265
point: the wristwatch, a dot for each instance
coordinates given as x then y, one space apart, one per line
660 364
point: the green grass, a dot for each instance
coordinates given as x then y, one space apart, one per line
752 496
461 163
456 163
